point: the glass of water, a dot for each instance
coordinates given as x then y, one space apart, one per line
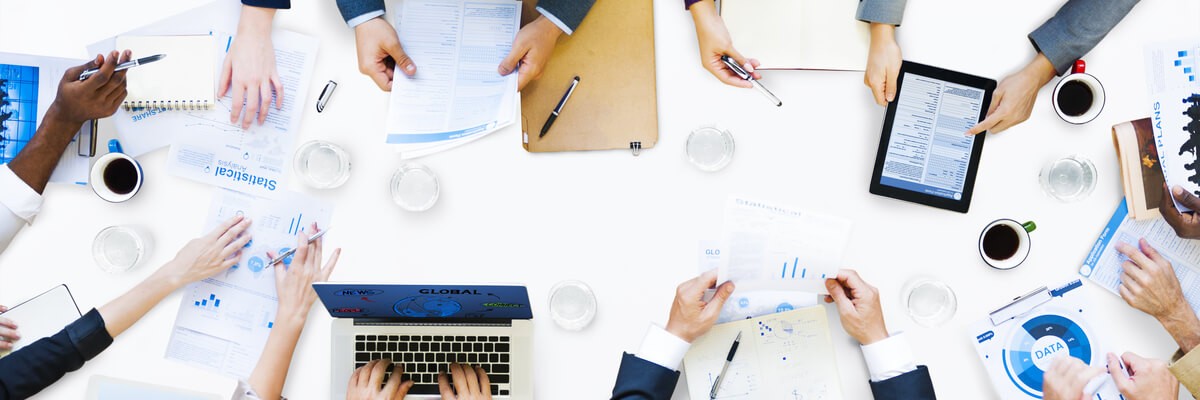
321 164
709 148
118 249
1068 179
930 302
415 187
572 305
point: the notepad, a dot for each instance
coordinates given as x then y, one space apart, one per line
781 356
42 316
799 34
183 80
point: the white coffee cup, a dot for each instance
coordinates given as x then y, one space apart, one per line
1004 243
116 177
1071 111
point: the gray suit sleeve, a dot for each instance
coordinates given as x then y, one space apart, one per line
1076 28
881 11
570 12
352 9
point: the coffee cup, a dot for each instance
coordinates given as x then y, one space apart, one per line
116 176
1078 97
1004 243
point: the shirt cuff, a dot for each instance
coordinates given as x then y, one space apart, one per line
356 21
889 358
1186 368
17 196
89 335
566 29
663 348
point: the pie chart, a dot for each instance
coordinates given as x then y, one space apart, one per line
1039 340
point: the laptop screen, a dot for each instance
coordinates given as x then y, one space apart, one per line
348 300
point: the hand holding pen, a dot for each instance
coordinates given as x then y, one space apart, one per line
752 78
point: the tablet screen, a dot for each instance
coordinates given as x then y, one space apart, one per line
928 151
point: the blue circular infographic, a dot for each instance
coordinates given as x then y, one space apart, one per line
256 264
1038 341
287 260
426 306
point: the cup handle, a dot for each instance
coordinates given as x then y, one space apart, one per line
1080 66
114 146
1029 226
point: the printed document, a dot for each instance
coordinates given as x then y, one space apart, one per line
749 303
224 321
1174 94
781 356
1103 263
457 95
28 85
769 246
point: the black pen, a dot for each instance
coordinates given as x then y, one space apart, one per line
712 394
741 72
124 66
558 109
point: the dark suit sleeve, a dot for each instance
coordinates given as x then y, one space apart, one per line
913 385
1076 28
352 9
639 379
283 4
27 371
570 12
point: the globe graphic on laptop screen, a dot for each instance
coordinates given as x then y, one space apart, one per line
427 307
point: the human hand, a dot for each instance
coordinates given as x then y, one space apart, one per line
1066 379
97 97
1186 225
1149 284
293 282
249 68
207 255
715 42
8 329
531 51
883 63
692 317
858 306
365 381
379 52
470 383
1145 379
1014 97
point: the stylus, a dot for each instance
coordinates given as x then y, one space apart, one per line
742 73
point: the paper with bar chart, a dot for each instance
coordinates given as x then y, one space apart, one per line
224 321
771 246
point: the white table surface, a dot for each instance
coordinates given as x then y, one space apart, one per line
629 226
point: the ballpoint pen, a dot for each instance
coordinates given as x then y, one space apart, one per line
124 66
712 394
559 107
289 253
742 73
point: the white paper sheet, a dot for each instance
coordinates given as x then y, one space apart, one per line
457 95
1171 70
749 303
224 321
769 246
31 85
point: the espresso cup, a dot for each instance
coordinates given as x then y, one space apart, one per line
1004 243
1078 97
116 176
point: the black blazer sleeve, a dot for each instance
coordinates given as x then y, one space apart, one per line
269 3
570 12
913 385
27 371
639 379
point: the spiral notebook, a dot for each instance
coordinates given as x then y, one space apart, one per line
183 80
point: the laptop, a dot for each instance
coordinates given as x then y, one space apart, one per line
427 327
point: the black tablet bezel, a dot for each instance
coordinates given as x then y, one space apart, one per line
963 204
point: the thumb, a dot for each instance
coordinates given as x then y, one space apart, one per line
889 88
1119 376
723 293
839 295
509 64
403 62
1186 198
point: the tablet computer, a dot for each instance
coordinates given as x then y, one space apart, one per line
924 156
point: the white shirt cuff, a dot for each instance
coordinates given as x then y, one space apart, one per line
889 358
356 21
566 29
17 196
663 348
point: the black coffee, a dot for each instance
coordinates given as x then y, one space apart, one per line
120 176
1075 98
1001 242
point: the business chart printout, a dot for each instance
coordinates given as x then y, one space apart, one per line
928 151
1174 94
776 247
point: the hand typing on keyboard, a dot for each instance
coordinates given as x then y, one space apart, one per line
465 383
367 382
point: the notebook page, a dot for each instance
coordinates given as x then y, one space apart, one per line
799 34
185 75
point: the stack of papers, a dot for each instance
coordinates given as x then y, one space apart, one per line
1175 111
28 85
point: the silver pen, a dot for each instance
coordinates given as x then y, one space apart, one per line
289 253
124 66
742 73
712 394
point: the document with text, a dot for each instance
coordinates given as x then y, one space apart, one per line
770 246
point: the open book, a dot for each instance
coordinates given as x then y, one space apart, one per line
1141 174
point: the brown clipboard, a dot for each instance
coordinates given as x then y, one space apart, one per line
615 104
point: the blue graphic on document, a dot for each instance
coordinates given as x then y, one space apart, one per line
18 108
1039 340
793 270
211 302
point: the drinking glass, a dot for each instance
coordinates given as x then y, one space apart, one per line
415 187
572 305
930 302
1068 179
322 165
709 148
118 249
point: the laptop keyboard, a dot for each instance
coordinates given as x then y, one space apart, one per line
424 356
